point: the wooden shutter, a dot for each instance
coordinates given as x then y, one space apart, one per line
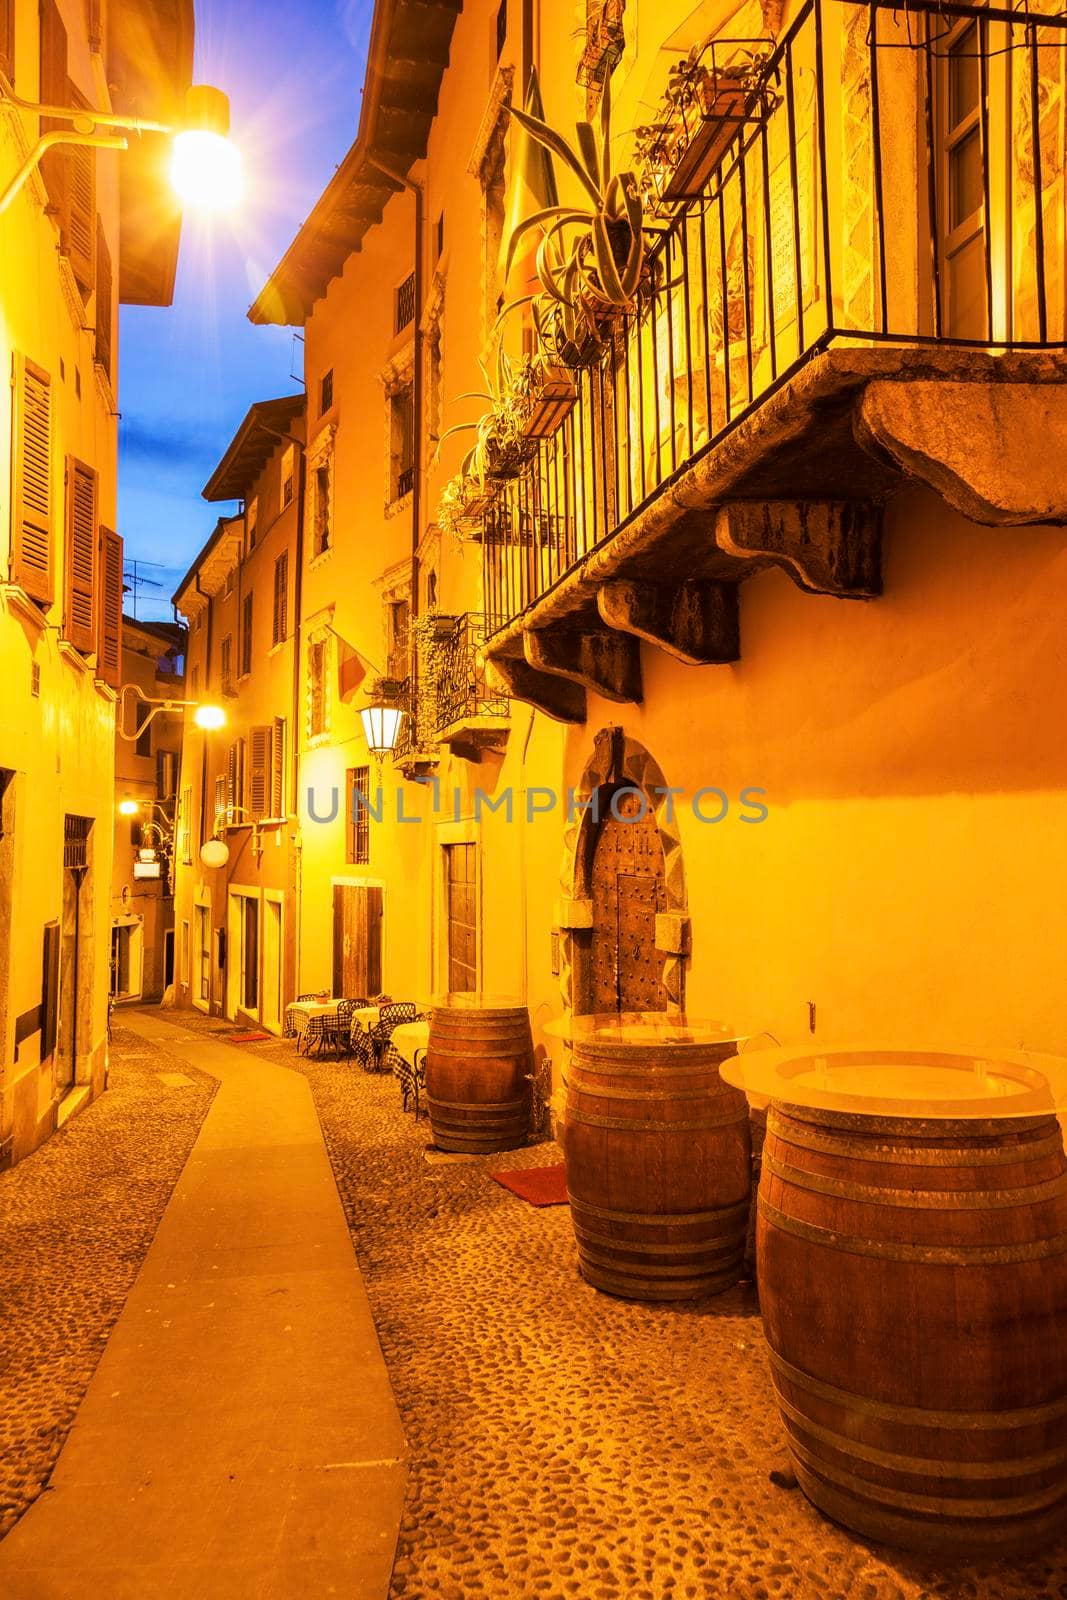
79 230
7 38
79 609
259 785
104 306
277 776
281 596
54 91
246 635
31 548
357 939
231 776
109 644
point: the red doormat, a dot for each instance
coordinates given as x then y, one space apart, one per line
248 1038
541 1186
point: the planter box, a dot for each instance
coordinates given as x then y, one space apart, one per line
551 403
724 111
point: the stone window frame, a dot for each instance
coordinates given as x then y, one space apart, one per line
397 376
320 454
488 164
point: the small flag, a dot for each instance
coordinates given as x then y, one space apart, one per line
352 667
531 187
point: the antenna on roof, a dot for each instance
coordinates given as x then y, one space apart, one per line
137 582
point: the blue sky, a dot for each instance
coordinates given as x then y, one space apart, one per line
189 372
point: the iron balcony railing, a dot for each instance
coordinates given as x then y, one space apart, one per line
902 183
461 687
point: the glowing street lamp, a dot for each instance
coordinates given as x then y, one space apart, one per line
205 165
381 719
205 716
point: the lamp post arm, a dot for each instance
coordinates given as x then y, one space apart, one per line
83 114
98 141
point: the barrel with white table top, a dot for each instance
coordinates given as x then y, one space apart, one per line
479 1065
912 1262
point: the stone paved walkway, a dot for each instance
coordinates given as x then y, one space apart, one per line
239 1439
76 1219
564 1444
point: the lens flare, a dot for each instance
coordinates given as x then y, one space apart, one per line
205 170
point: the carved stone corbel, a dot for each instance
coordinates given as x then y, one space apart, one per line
827 546
696 621
555 696
609 663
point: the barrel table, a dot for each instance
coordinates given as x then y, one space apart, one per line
479 1066
657 1155
912 1261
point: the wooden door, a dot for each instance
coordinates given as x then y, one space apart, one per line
357 940
628 890
461 896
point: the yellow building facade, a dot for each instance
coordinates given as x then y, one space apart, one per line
82 235
236 922
738 691
146 776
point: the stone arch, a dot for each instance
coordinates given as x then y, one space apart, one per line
618 760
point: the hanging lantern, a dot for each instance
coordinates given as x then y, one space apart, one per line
381 719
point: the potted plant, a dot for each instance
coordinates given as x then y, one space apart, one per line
591 260
709 100
548 394
501 448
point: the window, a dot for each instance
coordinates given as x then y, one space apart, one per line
501 28
79 607
316 687
246 635
461 914
77 228
405 303
198 620
323 509
288 474
203 953
439 238
402 430
251 523
185 826
228 588
226 664
277 775
359 796
7 39
31 560
326 392
186 955
280 623
109 620
104 306
397 629
260 770
235 778
222 802
962 220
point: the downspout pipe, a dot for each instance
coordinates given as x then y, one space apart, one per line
418 376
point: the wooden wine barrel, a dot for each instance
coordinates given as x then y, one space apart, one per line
479 1060
657 1156
913 1283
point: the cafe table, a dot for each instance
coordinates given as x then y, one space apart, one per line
300 1012
407 1058
912 1265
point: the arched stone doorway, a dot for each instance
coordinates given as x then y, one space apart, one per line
622 880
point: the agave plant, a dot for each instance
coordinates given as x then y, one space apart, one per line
501 447
591 257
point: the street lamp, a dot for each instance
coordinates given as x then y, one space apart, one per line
204 715
205 165
381 719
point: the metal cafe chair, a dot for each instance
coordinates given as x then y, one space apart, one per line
382 1030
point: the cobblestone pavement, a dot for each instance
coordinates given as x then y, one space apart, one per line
76 1220
564 1443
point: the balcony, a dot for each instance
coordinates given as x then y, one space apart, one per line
447 701
471 717
867 289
